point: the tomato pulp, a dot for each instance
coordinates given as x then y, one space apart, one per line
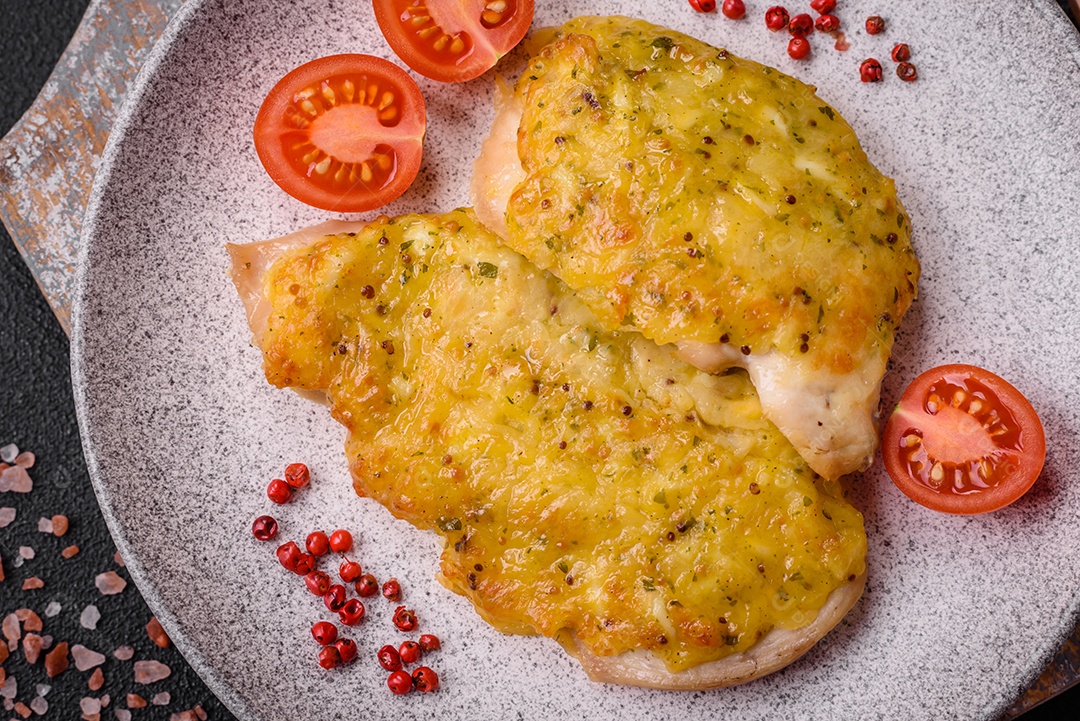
343 133
964 441
453 40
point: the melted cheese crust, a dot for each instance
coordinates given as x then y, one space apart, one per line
590 486
714 203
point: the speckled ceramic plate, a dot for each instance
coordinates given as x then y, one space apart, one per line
182 432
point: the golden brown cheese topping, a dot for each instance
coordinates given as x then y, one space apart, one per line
696 196
587 484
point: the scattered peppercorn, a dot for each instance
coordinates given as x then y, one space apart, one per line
875 25
906 72
703 6
400 682
801 25
297 475
264 528
409 652
823 6
405 619
798 48
901 53
391 590
279 491
827 23
367 586
733 9
425 679
870 71
389 658
317 543
776 18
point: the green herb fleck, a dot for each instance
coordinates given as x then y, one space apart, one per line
488 270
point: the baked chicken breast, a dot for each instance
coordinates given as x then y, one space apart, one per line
711 203
590 486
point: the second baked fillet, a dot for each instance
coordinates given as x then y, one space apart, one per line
712 203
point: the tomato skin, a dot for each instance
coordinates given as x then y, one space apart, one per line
480 43
328 142
983 432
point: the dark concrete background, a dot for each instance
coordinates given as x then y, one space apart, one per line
37 413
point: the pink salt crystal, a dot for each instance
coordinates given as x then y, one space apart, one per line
90 706
134 700
39 705
10 627
85 659
30 620
118 560
22 709
7 515
122 714
147 672
109 583
124 653
9 453
46 642
96 680
8 704
32 648
59 525
105 700
89 617
10 689
52 609
200 713
27 552
70 552
32 583
161 699
184 716
15 478
44 525
25 459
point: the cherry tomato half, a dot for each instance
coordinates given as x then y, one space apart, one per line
343 133
962 440
453 40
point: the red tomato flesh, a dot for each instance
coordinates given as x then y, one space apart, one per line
343 133
964 441
453 40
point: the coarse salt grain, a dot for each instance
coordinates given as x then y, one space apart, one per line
200 713
96 680
10 627
105 700
122 714
90 706
85 659
157 633
43 689
134 700
44 525
32 648
124 653
22 709
18 561
109 583
27 552
32 584
89 617
52 609
46 642
60 525
10 689
147 672
30 620
184 716
7 515
56 661
161 699
119 560
16 479
26 459
9 453
39 705
70 552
